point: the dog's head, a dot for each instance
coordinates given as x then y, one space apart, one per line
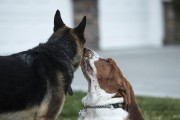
109 78
70 39
105 71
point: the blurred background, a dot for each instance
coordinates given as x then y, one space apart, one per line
143 36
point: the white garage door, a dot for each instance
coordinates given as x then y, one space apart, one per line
130 23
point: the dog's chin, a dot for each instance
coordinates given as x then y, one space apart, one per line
87 70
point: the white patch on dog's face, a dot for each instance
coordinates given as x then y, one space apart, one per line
93 57
89 68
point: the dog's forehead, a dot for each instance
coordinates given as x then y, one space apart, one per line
106 76
103 71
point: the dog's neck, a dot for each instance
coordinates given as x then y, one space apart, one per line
98 97
98 101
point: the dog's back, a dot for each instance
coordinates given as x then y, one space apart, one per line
19 83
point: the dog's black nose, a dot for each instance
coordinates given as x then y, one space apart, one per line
86 50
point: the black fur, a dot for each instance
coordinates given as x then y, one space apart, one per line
24 76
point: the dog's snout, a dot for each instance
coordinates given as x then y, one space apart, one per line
86 50
88 53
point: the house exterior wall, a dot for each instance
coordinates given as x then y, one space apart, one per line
130 23
26 23
112 24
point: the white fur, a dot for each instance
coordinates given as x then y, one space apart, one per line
97 96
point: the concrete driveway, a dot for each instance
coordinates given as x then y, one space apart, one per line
151 71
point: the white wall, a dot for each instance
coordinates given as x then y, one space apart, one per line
130 23
122 23
156 22
26 23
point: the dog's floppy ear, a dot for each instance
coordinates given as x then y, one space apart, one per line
132 107
81 27
125 90
58 23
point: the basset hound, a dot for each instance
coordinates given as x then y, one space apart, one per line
110 96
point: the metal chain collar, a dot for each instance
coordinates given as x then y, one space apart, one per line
112 106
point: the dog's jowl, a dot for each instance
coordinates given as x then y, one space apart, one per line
33 83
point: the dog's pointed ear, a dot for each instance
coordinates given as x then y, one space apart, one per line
81 27
58 23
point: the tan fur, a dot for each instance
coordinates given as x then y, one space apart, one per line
43 109
33 113
61 77
27 114
57 98
80 46
40 112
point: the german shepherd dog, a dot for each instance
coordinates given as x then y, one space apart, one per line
33 83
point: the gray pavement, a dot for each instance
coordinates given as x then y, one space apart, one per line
151 71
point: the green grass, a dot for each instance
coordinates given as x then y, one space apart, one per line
152 108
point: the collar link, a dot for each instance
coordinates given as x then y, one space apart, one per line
110 106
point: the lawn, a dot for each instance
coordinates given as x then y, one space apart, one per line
152 108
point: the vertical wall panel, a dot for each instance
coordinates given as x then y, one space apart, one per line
130 23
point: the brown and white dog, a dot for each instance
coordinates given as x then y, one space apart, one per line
110 96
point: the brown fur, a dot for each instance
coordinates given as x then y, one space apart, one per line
111 80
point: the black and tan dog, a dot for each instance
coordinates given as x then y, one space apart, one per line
33 83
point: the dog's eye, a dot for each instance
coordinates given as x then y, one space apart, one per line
107 61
